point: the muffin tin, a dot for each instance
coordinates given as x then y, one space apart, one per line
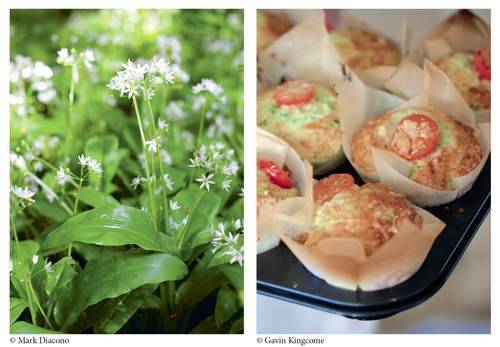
281 275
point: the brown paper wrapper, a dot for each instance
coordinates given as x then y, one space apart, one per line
342 262
293 215
439 93
463 31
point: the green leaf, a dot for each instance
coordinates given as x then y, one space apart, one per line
113 276
89 251
234 273
17 306
108 226
105 150
201 207
97 199
206 326
61 274
28 328
50 210
226 305
200 283
237 327
116 312
22 264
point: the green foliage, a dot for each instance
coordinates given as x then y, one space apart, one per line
124 242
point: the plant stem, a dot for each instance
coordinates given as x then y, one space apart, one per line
160 163
47 188
21 255
40 308
150 189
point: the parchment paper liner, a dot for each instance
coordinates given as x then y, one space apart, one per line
295 214
463 31
306 52
439 93
342 262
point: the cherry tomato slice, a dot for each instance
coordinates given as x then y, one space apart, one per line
276 174
326 189
415 137
482 63
294 93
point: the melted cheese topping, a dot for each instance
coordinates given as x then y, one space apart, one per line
313 129
371 213
457 153
460 69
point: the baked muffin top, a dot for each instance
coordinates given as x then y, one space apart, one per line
362 50
302 113
371 213
439 147
470 72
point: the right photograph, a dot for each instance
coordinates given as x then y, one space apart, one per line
373 171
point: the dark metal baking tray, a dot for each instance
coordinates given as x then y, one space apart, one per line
281 275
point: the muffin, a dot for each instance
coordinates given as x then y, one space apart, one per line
270 27
439 147
361 50
303 114
470 72
372 213
273 183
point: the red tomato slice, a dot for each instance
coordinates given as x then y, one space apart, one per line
326 189
482 63
415 137
293 93
276 174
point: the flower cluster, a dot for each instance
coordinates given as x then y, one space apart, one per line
142 79
66 57
28 75
230 244
216 162
23 193
92 164
208 85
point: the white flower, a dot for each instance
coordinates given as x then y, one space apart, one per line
152 145
46 96
226 184
174 110
165 156
23 193
205 181
61 176
209 86
136 181
18 161
64 57
38 167
174 205
141 79
48 266
236 255
95 166
162 124
42 71
232 168
34 259
88 57
83 160
237 224
168 181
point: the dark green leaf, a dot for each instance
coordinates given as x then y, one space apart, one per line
226 305
200 283
28 328
108 226
96 199
114 313
237 327
17 306
200 207
113 276
50 210
60 275
206 326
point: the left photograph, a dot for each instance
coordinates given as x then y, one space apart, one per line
126 171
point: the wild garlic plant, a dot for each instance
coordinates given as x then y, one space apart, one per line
126 206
